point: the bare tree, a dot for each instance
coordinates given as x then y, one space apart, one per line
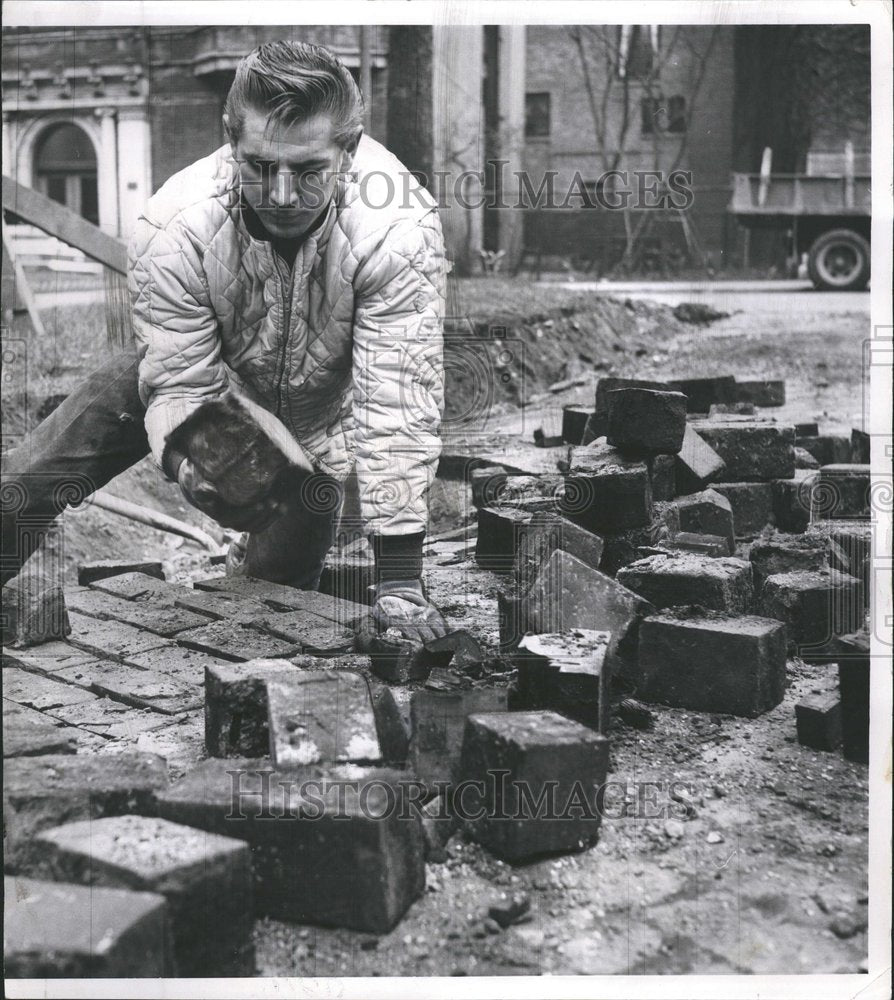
615 83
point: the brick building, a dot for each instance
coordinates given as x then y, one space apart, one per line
99 117
634 98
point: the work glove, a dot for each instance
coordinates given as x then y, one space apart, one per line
402 604
204 496
236 462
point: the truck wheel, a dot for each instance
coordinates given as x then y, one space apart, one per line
840 260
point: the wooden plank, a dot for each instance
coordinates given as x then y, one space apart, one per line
61 222
21 288
8 288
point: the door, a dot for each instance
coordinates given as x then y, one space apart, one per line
65 169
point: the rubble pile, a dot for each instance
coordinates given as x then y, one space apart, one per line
745 541
287 760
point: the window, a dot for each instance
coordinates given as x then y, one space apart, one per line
676 114
659 115
650 115
537 115
637 50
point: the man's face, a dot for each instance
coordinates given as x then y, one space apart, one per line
289 173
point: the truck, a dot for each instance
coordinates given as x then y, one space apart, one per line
826 210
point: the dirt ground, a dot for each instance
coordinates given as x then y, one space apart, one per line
766 870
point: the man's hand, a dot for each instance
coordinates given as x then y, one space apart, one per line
402 604
203 495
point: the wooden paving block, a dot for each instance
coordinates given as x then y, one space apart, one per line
646 421
567 672
112 640
706 513
438 720
48 658
816 605
135 586
321 717
235 641
347 851
55 930
711 661
40 693
140 688
697 463
28 733
685 578
853 685
818 721
32 612
282 598
751 451
569 594
147 614
309 632
184 665
605 490
205 877
544 754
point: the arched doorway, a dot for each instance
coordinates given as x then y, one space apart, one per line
65 169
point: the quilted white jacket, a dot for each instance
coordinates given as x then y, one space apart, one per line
347 350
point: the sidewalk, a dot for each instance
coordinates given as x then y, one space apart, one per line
791 297
690 287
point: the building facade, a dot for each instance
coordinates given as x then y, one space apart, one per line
131 106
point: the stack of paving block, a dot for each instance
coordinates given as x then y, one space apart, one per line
754 454
690 619
834 486
801 580
345 744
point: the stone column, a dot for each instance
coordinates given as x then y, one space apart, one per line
107 172
511 101
134 165
458 120
8 165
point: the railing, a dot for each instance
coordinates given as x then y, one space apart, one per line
32 247
66 225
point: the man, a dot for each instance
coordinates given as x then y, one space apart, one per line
301 267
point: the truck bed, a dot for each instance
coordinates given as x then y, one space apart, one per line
800 194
